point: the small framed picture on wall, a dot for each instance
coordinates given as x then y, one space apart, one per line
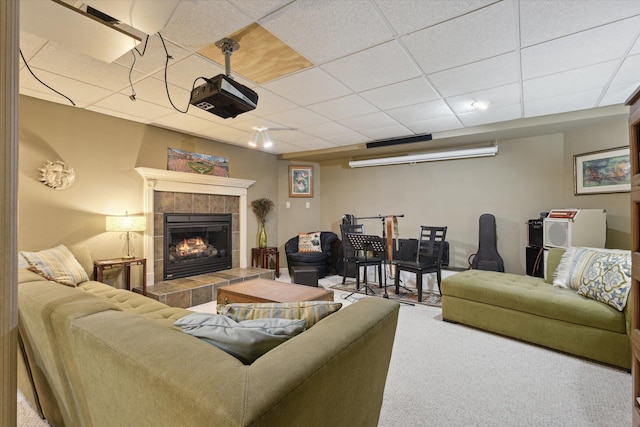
300 181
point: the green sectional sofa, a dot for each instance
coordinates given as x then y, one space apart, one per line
533 310
93 355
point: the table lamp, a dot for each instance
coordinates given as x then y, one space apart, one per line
127 224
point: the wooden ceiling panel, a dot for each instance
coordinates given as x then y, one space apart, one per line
262 57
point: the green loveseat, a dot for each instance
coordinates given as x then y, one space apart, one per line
532 309
98 356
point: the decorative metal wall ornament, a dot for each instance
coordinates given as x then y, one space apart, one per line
57 175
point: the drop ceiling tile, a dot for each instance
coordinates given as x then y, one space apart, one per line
346 139
30 44
51 97
409 92
153 58
369 121
308 87
227 134
375 67
419 112
441 124
491 72
342 108
289 136
629 71
497 97
255 122
492 115
297 118
579 50
153 90
479 35
76 66
312 143
325 30
618 94
139 108
595 76
407 16
258 9
282 148
183 122
271 103
117 114
196 24
561 104
544 20
391 132
184 72
326 130
81 93
635 50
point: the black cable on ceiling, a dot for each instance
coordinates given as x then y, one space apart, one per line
166 82
43 83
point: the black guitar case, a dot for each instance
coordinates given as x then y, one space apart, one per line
487 257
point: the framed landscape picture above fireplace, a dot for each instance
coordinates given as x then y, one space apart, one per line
300 181
605 171
203 164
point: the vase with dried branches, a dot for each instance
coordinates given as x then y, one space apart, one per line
261 208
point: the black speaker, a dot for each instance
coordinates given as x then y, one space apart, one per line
536 232
535 261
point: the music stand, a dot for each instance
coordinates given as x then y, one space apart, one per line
364 242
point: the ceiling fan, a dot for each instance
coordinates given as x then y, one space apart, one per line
260 132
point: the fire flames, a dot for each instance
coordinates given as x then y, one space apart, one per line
191 246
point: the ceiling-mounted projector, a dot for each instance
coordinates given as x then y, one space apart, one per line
221 95
224 97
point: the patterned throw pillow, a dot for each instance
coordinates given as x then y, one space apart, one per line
312 311
606 277
309 242
57 264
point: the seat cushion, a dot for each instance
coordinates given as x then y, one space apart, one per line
532 295
136 303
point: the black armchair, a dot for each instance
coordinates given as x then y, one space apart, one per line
321 260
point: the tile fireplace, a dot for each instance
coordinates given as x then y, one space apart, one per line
191 192
196 243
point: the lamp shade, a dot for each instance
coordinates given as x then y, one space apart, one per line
126 223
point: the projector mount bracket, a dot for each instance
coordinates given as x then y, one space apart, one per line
227 46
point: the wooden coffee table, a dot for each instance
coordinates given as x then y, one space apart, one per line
265 290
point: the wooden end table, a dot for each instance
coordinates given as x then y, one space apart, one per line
260 258
100 265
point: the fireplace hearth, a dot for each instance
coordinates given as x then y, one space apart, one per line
196 244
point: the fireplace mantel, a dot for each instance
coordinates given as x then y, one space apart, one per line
183 182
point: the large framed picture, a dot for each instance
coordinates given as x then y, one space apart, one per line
300 181
203 164
605 171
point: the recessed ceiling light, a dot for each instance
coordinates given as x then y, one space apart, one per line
480 105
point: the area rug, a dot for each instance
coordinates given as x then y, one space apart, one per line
429 298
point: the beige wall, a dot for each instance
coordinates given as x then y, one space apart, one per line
104 151
297 217
610 134
528 176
